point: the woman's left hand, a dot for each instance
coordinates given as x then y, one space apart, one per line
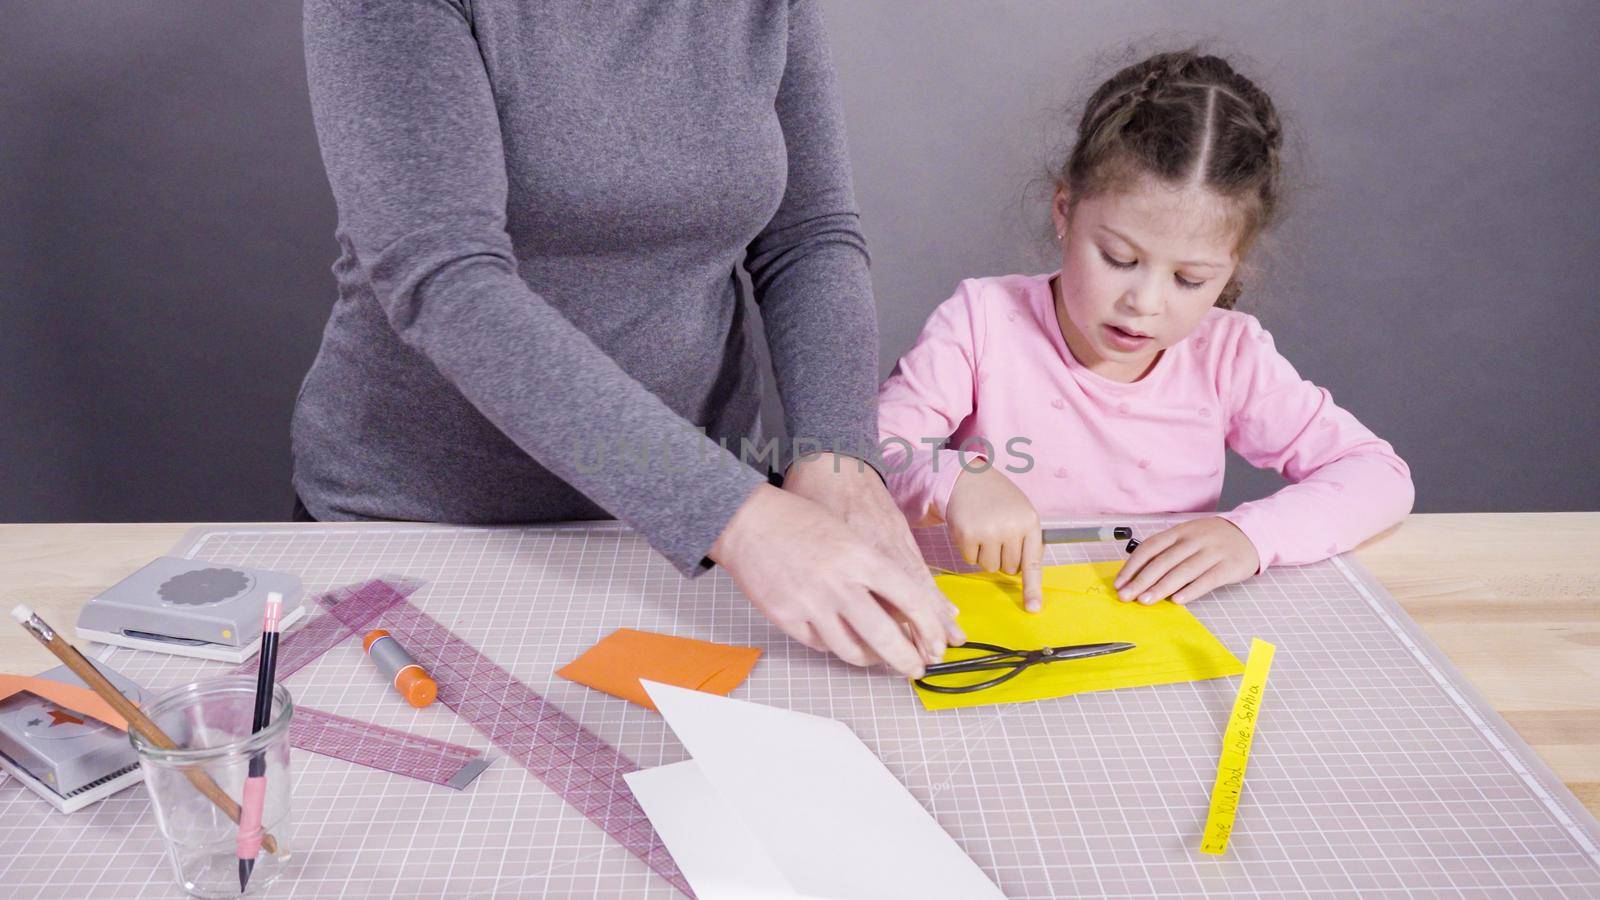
1187 561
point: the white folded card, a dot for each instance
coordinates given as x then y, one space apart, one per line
777 803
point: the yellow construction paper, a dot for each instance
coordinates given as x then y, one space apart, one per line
1080 607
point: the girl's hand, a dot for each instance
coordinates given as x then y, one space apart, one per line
997 529
1187 561
816 579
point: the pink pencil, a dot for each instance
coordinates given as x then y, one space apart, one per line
255 786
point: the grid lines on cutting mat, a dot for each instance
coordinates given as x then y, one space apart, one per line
1371 773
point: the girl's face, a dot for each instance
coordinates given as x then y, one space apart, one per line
1139 270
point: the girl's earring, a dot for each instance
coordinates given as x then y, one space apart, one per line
1058 235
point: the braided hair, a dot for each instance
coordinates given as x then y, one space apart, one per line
1183 117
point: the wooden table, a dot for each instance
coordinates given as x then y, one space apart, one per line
1512 598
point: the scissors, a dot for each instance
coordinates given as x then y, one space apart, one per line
1016 661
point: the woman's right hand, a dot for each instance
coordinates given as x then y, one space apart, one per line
815 578
997 529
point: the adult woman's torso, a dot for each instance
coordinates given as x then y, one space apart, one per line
642 154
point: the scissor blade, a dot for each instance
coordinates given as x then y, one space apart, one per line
1084 651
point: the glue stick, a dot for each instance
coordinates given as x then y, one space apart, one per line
410 679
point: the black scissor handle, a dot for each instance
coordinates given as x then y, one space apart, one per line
1014 660
997 654
998 658
1016 669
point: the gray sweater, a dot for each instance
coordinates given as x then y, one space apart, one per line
542 208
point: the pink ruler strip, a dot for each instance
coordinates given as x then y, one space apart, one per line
583 769
437 762
363 743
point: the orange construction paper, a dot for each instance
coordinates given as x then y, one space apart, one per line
616 664
72 696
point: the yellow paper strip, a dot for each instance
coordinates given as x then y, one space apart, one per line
1236 748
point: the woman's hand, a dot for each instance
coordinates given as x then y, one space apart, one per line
851 490
816 579
996 528
1187 561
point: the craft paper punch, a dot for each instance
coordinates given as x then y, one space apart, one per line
190 607
69 759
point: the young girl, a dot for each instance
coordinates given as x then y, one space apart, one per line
1113 385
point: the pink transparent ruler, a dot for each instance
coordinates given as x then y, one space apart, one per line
425 759
363 743
580 767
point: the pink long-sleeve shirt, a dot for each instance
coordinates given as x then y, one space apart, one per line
991 364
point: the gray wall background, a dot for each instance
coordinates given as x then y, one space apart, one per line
166 227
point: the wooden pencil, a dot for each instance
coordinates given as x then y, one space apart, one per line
137 720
